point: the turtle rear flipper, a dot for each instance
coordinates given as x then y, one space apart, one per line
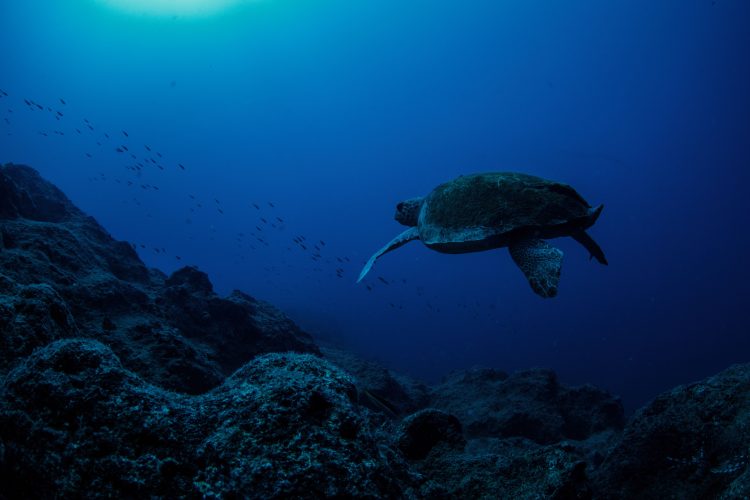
594 249
410 234
540 263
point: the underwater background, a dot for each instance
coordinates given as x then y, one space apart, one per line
245 127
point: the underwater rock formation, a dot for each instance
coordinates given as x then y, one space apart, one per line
691 442
173 331
74 421
527 436
380 389
119 381
530 404
426 429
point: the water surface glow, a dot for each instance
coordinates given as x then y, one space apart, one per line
172 7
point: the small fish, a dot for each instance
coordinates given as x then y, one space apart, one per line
181 166
88 155
158 154
147 148
125 134
40 107
220 211
264 220
124 147
280 219
256 206
383 280
119 150
271 204
178 257
106 135
62 101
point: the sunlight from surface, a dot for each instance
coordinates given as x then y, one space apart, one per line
172 7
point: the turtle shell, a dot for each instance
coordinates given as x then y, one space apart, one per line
496 205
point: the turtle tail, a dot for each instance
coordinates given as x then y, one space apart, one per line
594 214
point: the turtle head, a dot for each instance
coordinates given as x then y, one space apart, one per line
407 212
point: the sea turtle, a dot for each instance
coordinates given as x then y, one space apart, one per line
498 209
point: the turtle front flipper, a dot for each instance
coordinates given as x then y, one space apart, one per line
410 234
540 263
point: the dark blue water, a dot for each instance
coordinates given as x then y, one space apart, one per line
334 111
